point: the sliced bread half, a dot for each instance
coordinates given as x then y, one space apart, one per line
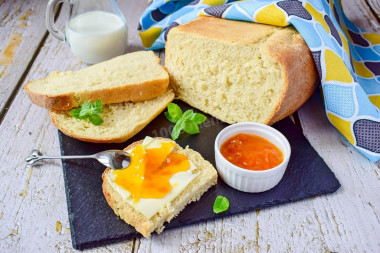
145 215
240 71
133 77
121 120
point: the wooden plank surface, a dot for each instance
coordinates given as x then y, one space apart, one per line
22 29
33 211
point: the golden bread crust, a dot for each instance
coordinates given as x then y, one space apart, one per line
297 64
227 30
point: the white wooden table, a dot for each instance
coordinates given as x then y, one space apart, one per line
33 210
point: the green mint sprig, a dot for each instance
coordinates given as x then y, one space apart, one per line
89 111
187 121
221 204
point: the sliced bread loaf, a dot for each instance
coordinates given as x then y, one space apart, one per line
134 77
121 120
239 71
148 215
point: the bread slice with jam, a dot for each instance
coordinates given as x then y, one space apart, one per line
138 208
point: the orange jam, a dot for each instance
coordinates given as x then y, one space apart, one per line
148 174
251 152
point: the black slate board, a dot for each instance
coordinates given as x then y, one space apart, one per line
93 223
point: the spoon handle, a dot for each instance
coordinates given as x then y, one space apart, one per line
35 156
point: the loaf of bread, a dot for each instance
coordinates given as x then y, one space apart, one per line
121 120
239 71
148 216
133 77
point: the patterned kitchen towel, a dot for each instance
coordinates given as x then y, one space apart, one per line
347 58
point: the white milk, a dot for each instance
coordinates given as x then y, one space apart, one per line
97 36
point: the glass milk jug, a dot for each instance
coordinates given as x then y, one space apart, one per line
95 31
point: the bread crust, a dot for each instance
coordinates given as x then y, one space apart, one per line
299 70
100 139
145 226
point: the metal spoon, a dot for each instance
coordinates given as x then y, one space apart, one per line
114 159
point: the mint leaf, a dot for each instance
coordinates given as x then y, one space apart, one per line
95 111
86 106
175 111
89 111
177 129
96 107
221 204
187 121
191 127
172 120
98 104
86 109
75 113
95 119
198 118
187 114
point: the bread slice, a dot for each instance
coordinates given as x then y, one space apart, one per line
121 120
133 77
239 71
206 178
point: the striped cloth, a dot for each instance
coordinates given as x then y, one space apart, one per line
347 58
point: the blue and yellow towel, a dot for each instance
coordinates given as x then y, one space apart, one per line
347 58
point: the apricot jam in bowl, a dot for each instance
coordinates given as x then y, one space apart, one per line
251 157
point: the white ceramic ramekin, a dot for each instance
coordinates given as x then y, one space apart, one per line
249 180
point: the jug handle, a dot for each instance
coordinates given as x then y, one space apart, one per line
50 13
